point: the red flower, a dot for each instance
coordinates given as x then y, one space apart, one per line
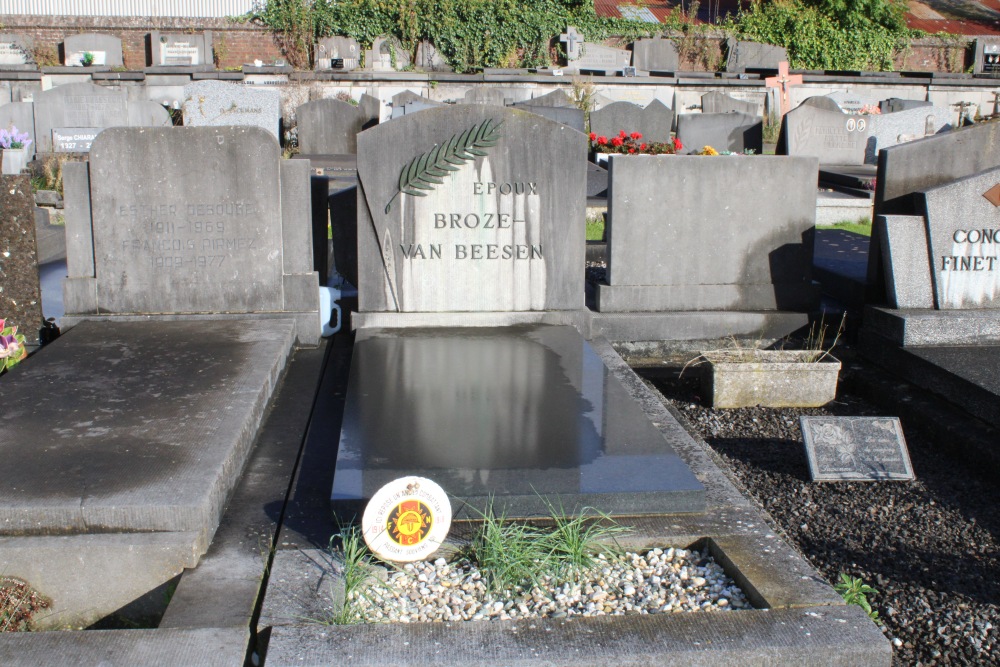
623 134
616 142
636 135
642 147
593 136
601 141
677 144
631 150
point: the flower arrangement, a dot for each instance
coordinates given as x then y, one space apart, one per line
630 143
14 139
12 349
708 150
87 59
869 110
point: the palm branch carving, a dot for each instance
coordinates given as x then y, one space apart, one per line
426 170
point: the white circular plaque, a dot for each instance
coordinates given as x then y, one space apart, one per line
406 520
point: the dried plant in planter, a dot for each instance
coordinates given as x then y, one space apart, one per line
18 605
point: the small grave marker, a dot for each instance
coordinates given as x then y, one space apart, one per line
855 449
407 520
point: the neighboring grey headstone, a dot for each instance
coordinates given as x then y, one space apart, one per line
190 220
496 96
15 51
895 104
573 118
371 108
429 59
987 61
496 229
76 105
105 49
964 239
835 138
598 57
753 55
902 126
178 49
824 102
715 102
557 98
656 54
597 180
346 50
147 114
903 239
386 55
412 108
851 102
407 96
734 132
217 103
654 122
691 233
855 449
329 126
22 116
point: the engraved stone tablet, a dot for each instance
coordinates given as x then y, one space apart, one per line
407 519
858 449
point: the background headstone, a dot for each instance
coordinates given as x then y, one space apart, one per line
217 103
147 114
903 240
735 132
851 102
715 102
82 106
753 55
329 126
22 116
987 62
573 118
503 232
823 102
654 122
429 59
902 126
15 51
412 108
407 96
20 296
557 98
386 55
853 449
835 138
169 49
496 96
190 220
106 49
656 54
371 108
895 104
345 49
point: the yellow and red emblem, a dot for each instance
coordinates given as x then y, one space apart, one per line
409 523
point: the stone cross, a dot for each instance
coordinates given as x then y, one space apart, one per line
963 107
785 80
572 39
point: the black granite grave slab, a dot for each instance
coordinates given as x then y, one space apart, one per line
520 415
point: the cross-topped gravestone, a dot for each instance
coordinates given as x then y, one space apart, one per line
784 80
572 39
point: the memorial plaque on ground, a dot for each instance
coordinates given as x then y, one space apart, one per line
471 208
217 103
653 122
76 105
20 294
103 50
833 137
735 132
656 54
855 449
180 49
329 127
344 50
190 220
753 55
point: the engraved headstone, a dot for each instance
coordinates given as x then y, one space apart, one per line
833 137
329 127
76 105
573 40
987 61
20 294
601 58
852 102
101 50
753 55
557 98
429 59
173 49
342 51
217 103
734 132
190 220
823 102
656 54
890 129
653 122
386 55
470 208
855 449
715 102
15 51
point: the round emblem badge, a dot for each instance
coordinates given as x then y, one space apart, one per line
406 520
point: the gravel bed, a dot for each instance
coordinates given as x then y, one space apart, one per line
658 581
930 546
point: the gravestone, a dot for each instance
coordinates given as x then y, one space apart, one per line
429 59
734 132
408 96
715 102
987 62
371 108
855 449
15 52
752 252
597 180
20 293
753 55
654 121
600 58
899 127
386 55
824 102
173 49
412 108
331 51
896 104
496 96
77 108
479 231
105 49
329 127
22 116
833 137
557 98
169 222
851 102
655 55
217 103
147 114
903 243
573 118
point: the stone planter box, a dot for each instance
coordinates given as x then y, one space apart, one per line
769 378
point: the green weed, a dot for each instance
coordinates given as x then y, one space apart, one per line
855 591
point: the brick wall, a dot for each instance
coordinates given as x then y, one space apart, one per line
235 43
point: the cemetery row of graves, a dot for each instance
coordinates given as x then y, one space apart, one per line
262 343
